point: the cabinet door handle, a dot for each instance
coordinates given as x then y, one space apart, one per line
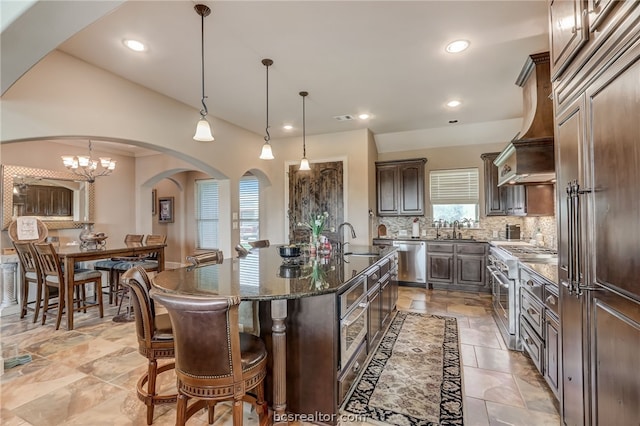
532 311
551 300
374 276
356 367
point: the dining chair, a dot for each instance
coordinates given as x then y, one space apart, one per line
155 339
31 274
108 264
149 262
54 276
214 361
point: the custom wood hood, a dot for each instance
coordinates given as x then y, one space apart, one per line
529 158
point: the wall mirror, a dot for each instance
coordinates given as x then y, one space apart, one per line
58 198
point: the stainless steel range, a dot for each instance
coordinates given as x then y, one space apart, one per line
504 278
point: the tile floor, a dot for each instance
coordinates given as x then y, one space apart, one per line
87 376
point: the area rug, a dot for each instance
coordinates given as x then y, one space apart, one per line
414 376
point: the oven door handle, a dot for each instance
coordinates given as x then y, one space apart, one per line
355 315
499 277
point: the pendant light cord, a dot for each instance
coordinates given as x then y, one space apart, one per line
304 131
266 63
204 106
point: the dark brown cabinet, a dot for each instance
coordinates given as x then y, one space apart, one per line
42 200
597 133
514 200
568 32
400 187
457 266
552 351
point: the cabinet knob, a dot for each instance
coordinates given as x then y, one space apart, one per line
551 300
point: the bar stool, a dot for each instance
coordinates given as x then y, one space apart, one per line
155 338
214 361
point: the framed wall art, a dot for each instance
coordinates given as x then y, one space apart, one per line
165 209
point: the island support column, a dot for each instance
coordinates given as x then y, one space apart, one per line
279 336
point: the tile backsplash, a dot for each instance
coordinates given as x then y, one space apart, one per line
487 229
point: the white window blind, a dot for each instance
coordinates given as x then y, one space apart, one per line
207 213
454 186
249 209
249 193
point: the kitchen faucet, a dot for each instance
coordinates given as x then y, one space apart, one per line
340 242
456 224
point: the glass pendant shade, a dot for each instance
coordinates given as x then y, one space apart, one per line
304 164
266 153
203 131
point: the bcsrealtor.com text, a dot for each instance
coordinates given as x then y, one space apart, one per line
317 417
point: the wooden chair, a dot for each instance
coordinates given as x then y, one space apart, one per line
107 265
148 262
53 276
155 338
31 273
214 361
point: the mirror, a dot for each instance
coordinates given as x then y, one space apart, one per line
69 201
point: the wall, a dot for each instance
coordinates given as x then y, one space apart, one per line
62 97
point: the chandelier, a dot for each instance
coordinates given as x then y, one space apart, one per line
88 168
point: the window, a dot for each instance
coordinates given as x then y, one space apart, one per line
454 194
249 209
207 213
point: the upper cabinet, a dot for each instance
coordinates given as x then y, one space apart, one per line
568 32
400 187
514 200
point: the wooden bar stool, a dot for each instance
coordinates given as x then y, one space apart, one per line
214 361
155 338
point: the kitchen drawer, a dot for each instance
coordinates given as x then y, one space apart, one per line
532 344
350 372
439 248
373 276
532 310
470 248
384 266
551 299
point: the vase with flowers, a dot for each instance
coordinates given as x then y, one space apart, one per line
316 224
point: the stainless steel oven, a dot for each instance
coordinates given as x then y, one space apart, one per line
504 289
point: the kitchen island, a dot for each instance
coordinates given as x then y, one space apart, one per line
319 316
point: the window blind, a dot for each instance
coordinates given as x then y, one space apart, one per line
454 186
207 213
249 193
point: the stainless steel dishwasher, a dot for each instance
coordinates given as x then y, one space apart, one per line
412 261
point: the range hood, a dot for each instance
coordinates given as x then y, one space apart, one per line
529 157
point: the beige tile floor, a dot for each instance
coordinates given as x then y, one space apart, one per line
87 376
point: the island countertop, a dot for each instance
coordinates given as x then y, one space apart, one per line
263 275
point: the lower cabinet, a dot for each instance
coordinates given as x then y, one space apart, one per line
375 317
457 266
552 352
350 372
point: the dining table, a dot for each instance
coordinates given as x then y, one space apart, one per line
264 276
71 254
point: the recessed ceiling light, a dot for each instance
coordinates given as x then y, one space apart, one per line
453 104
453 121
363 116
457 46
287 127
135 45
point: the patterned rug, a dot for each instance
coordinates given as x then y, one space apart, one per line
414 376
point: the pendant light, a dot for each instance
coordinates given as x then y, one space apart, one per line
304 163
266 153
203 130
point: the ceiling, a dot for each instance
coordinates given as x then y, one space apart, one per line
385 58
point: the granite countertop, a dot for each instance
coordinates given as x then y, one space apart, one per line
548 271
264 275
